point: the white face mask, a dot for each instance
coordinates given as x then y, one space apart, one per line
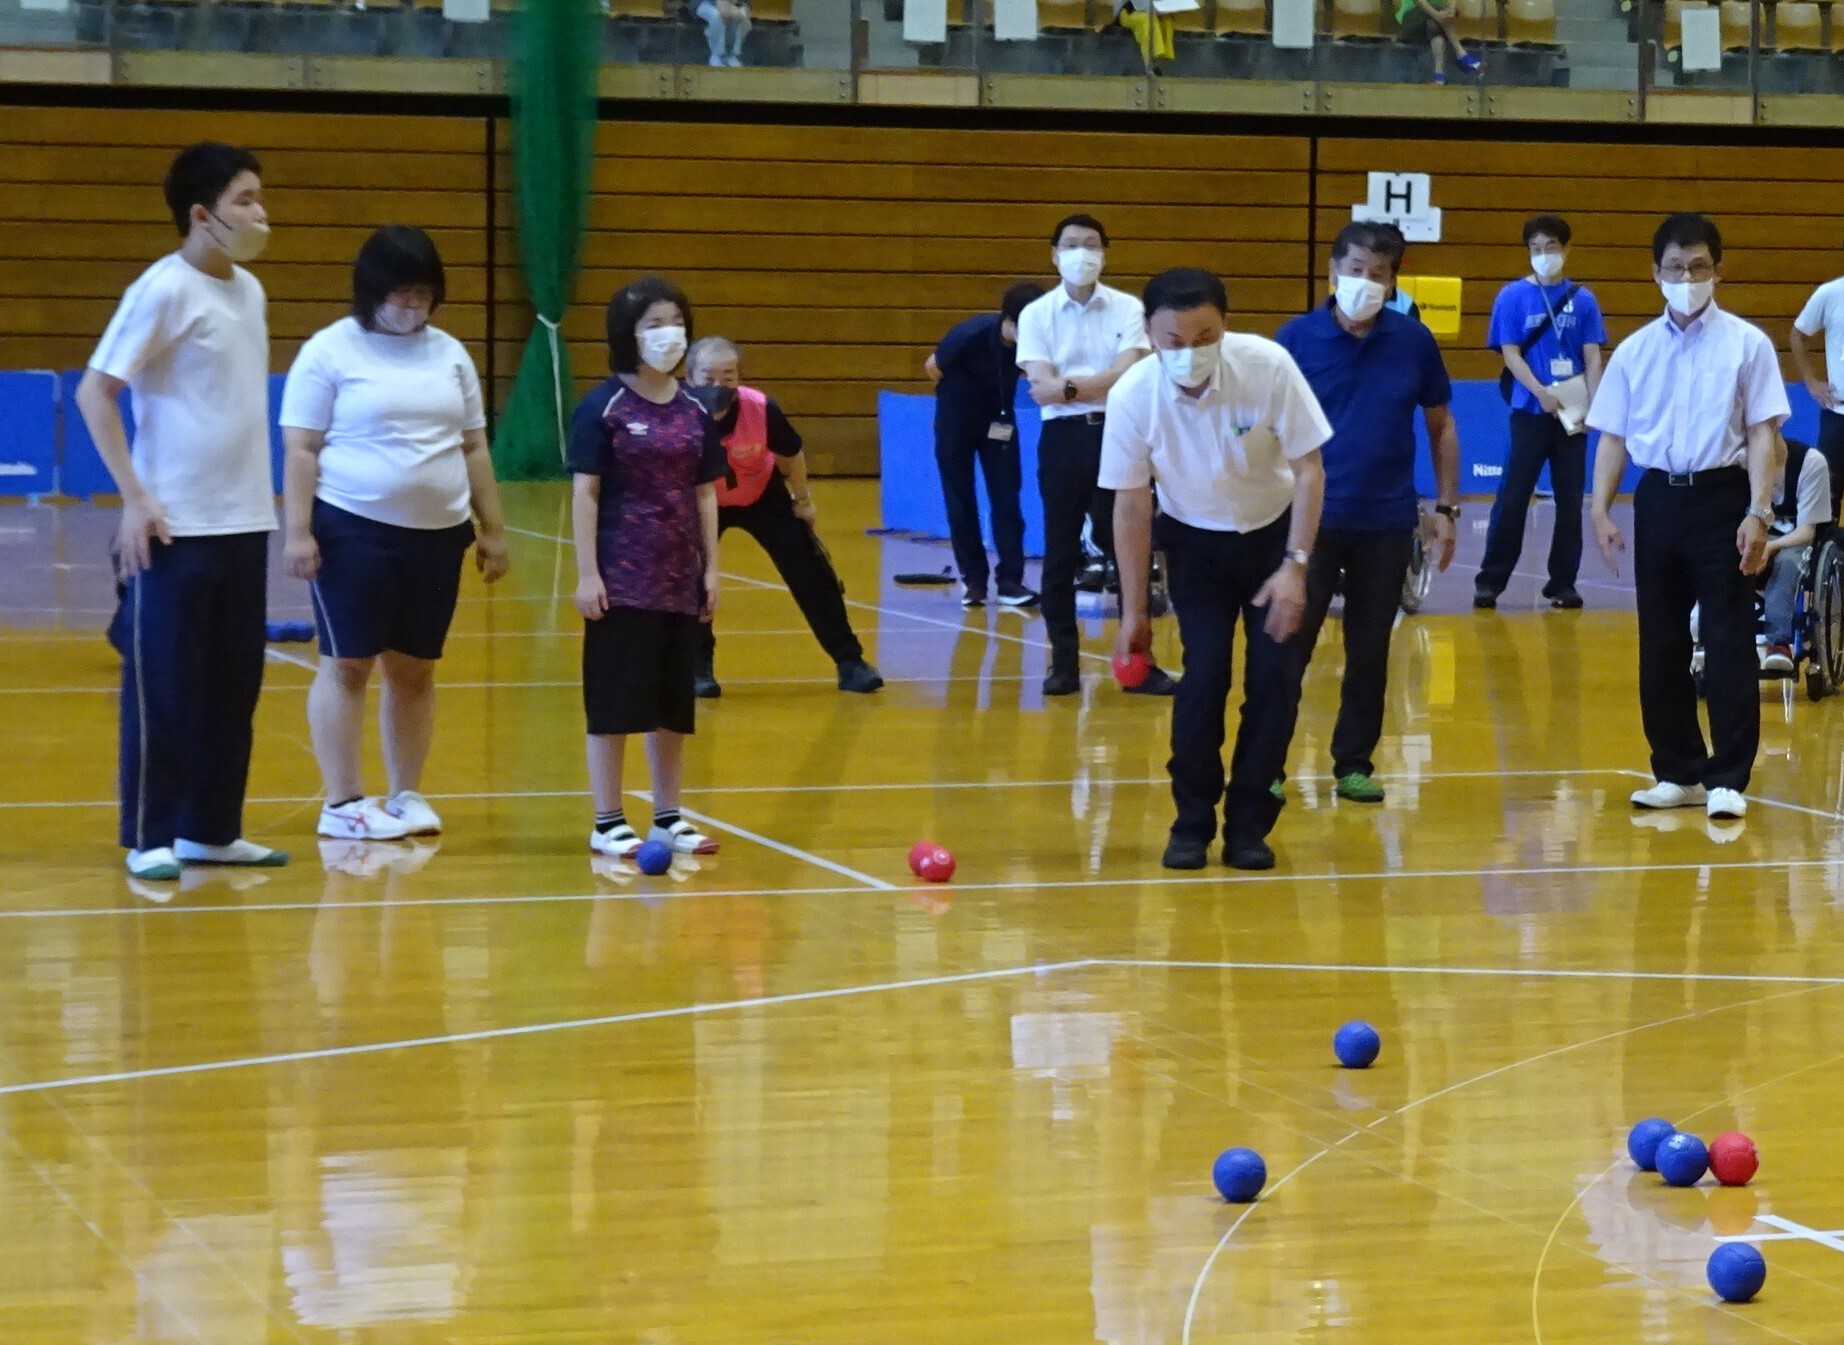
1546 265
246 241
1191 367
399 319
1079 266
1359 299
1687 296
662 348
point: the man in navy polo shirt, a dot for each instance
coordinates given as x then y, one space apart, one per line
1370 368
975 370
1566 323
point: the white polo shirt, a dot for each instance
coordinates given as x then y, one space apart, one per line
1824 311
1683 398
1221 460
1080 339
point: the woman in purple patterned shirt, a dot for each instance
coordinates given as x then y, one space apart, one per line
646 458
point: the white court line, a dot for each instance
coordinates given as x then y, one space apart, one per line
574 684
1558 973
792 851
1796 1232
529 1029
283 656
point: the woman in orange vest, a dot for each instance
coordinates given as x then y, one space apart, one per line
764 458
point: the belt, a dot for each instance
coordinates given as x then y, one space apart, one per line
1715 476
1080 418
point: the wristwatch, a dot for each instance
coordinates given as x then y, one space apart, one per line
1764 513
1299 557
1069 389
1448 511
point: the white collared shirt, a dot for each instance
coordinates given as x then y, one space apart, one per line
1683 398
1080 339
1221 460
1824 311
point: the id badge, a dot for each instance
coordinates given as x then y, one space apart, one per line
1000 431
1562 367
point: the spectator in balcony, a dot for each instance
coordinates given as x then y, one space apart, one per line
1152 30
1432 22
726 24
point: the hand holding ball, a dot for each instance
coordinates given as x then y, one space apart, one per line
1132 670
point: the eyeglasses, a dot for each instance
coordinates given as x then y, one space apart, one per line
1700 271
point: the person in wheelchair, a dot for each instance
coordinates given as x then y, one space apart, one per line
1802 515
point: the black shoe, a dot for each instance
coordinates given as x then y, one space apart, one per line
1183 853
1016 595
857 675
1249 853
1062 682
1093 577
1484 599
705 685
1567 600
1110 581
971 596
1157 682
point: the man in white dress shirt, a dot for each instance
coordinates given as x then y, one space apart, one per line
1072 345
1225 427
1694 398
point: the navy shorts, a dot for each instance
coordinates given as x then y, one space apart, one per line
382 586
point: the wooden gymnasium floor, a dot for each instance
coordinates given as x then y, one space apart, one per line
492 1092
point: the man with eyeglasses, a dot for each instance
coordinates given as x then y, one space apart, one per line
1695 399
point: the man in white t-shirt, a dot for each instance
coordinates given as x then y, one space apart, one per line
1824 312
1227 431
1072 344
190 342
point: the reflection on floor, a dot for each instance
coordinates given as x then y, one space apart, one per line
483 1089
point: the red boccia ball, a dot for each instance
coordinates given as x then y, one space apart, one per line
937 865
1132 670
1734 1159
919 852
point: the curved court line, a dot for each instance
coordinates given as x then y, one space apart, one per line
1203 1273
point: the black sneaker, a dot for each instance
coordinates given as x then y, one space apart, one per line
1249 853
1093 577
1184 853
1565 600
857 675
1016 595
1484 599
971 596
705 685
1062 682
1157 682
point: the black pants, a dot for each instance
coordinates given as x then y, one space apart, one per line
805 568
1684 554
1831 444
1536 440
957 448
1068 464
1372 566
1213 576
193 628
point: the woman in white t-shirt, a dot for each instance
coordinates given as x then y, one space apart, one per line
387 475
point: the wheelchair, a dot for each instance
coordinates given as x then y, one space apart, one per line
1818 622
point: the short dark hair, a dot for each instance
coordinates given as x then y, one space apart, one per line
396 257
1687 229
1378 236
1550 226
200 175
1183 288
628 307
1079 221
1018 298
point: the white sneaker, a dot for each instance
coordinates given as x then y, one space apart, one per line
237 852
684 838
717 62
1665 795
734 62
620 843
361 820
1727 805
159 865
414 811
1777 658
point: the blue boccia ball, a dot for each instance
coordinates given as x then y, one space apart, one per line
653 857
1239 1174
1737 1272
1643 1140
1356 1045
1682 1160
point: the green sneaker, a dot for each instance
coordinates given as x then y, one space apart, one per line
1279 790
1359 788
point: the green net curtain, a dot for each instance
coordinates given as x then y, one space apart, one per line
558 52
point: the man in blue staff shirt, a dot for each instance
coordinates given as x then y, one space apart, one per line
975 371
1550 333
1370 367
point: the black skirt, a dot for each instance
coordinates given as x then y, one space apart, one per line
638 671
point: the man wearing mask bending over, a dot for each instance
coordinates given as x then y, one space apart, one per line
1073 345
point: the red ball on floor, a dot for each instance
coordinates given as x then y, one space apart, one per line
1734 1159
